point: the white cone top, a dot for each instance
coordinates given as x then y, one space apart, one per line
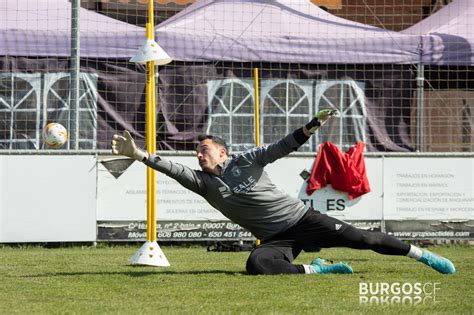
151 51
150 254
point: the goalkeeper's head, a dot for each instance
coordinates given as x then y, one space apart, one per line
211 152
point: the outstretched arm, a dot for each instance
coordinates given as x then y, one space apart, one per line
283 147
189 178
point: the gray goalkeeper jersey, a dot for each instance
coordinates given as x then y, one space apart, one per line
243 192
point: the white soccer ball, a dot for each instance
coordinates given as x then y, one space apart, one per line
55 135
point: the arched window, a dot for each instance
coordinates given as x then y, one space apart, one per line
285 106
29 101
347 96
231 112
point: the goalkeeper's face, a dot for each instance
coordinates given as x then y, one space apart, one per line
210 155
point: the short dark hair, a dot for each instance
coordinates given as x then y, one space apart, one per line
217 140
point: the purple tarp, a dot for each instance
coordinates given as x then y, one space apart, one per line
448 34
289 31
42 28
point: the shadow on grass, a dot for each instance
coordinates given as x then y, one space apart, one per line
133 273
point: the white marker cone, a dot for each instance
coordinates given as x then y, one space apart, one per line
150 254
151 51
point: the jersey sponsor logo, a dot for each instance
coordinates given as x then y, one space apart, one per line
245 186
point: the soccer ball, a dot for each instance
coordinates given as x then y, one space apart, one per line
55 135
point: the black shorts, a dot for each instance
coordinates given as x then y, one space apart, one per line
312 232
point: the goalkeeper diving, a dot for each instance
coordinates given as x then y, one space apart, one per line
238 186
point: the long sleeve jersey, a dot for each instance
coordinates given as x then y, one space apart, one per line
243 192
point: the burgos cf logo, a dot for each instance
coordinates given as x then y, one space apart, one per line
236 171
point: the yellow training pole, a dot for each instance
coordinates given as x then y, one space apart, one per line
257 109
150 131
152 54
257 116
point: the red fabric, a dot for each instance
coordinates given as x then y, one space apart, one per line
344 171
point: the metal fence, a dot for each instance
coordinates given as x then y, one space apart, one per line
67 62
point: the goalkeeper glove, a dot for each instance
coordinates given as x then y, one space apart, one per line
124 145
320 119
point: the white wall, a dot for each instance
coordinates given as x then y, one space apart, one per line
47 198
52 198
447 183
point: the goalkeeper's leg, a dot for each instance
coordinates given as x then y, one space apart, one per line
379 242
388 245
265 260
325 231
268 260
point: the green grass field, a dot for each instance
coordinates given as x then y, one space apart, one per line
86 280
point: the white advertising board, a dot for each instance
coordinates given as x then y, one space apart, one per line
47 198
125 198
428 188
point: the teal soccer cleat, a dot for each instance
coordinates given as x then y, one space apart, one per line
320 266
438 263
